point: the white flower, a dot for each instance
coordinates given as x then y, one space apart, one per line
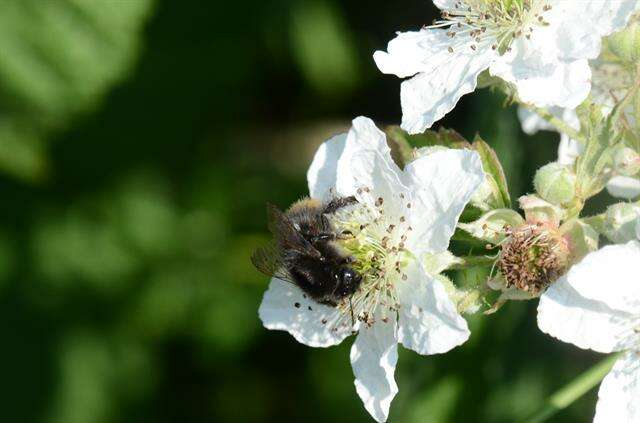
401 216
597 306
542 47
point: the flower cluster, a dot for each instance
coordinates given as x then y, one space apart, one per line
388 203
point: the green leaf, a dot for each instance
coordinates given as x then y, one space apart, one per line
58 59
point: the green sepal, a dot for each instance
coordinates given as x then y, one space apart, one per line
582 238
407 142
491 227
495 174
620 222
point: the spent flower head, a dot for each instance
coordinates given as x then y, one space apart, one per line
401 216
532 257
534 251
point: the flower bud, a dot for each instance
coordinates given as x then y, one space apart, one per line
626 43
555 183
626 161
620 222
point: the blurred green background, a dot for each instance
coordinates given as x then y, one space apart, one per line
139 143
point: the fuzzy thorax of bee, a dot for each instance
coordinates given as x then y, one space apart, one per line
532 257
492 22
376 242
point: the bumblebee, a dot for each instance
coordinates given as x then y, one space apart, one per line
305 251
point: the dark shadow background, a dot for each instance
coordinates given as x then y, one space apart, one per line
130 208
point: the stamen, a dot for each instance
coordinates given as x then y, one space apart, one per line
376 245
494 23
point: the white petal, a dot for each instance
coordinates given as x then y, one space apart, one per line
619 394
575 28
374 355
447 69
610 16
442 183
578 42
429 322
407 54
445 4
569 150
323 172
381 176
426 98
541 79
330 172
624 187
597 304
285 307
610 275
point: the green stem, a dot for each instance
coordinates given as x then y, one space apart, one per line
473 261
560 124
574 390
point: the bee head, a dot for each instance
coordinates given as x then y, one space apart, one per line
347 280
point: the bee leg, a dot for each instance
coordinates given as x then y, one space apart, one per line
338 203
353 319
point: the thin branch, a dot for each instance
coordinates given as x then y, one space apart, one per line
560 124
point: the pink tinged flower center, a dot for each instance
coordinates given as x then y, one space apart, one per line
477 24
380 257
532 257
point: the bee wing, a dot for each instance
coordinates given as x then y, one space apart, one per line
287 236
267 260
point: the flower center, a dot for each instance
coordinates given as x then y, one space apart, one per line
493 22
532 258
376 242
